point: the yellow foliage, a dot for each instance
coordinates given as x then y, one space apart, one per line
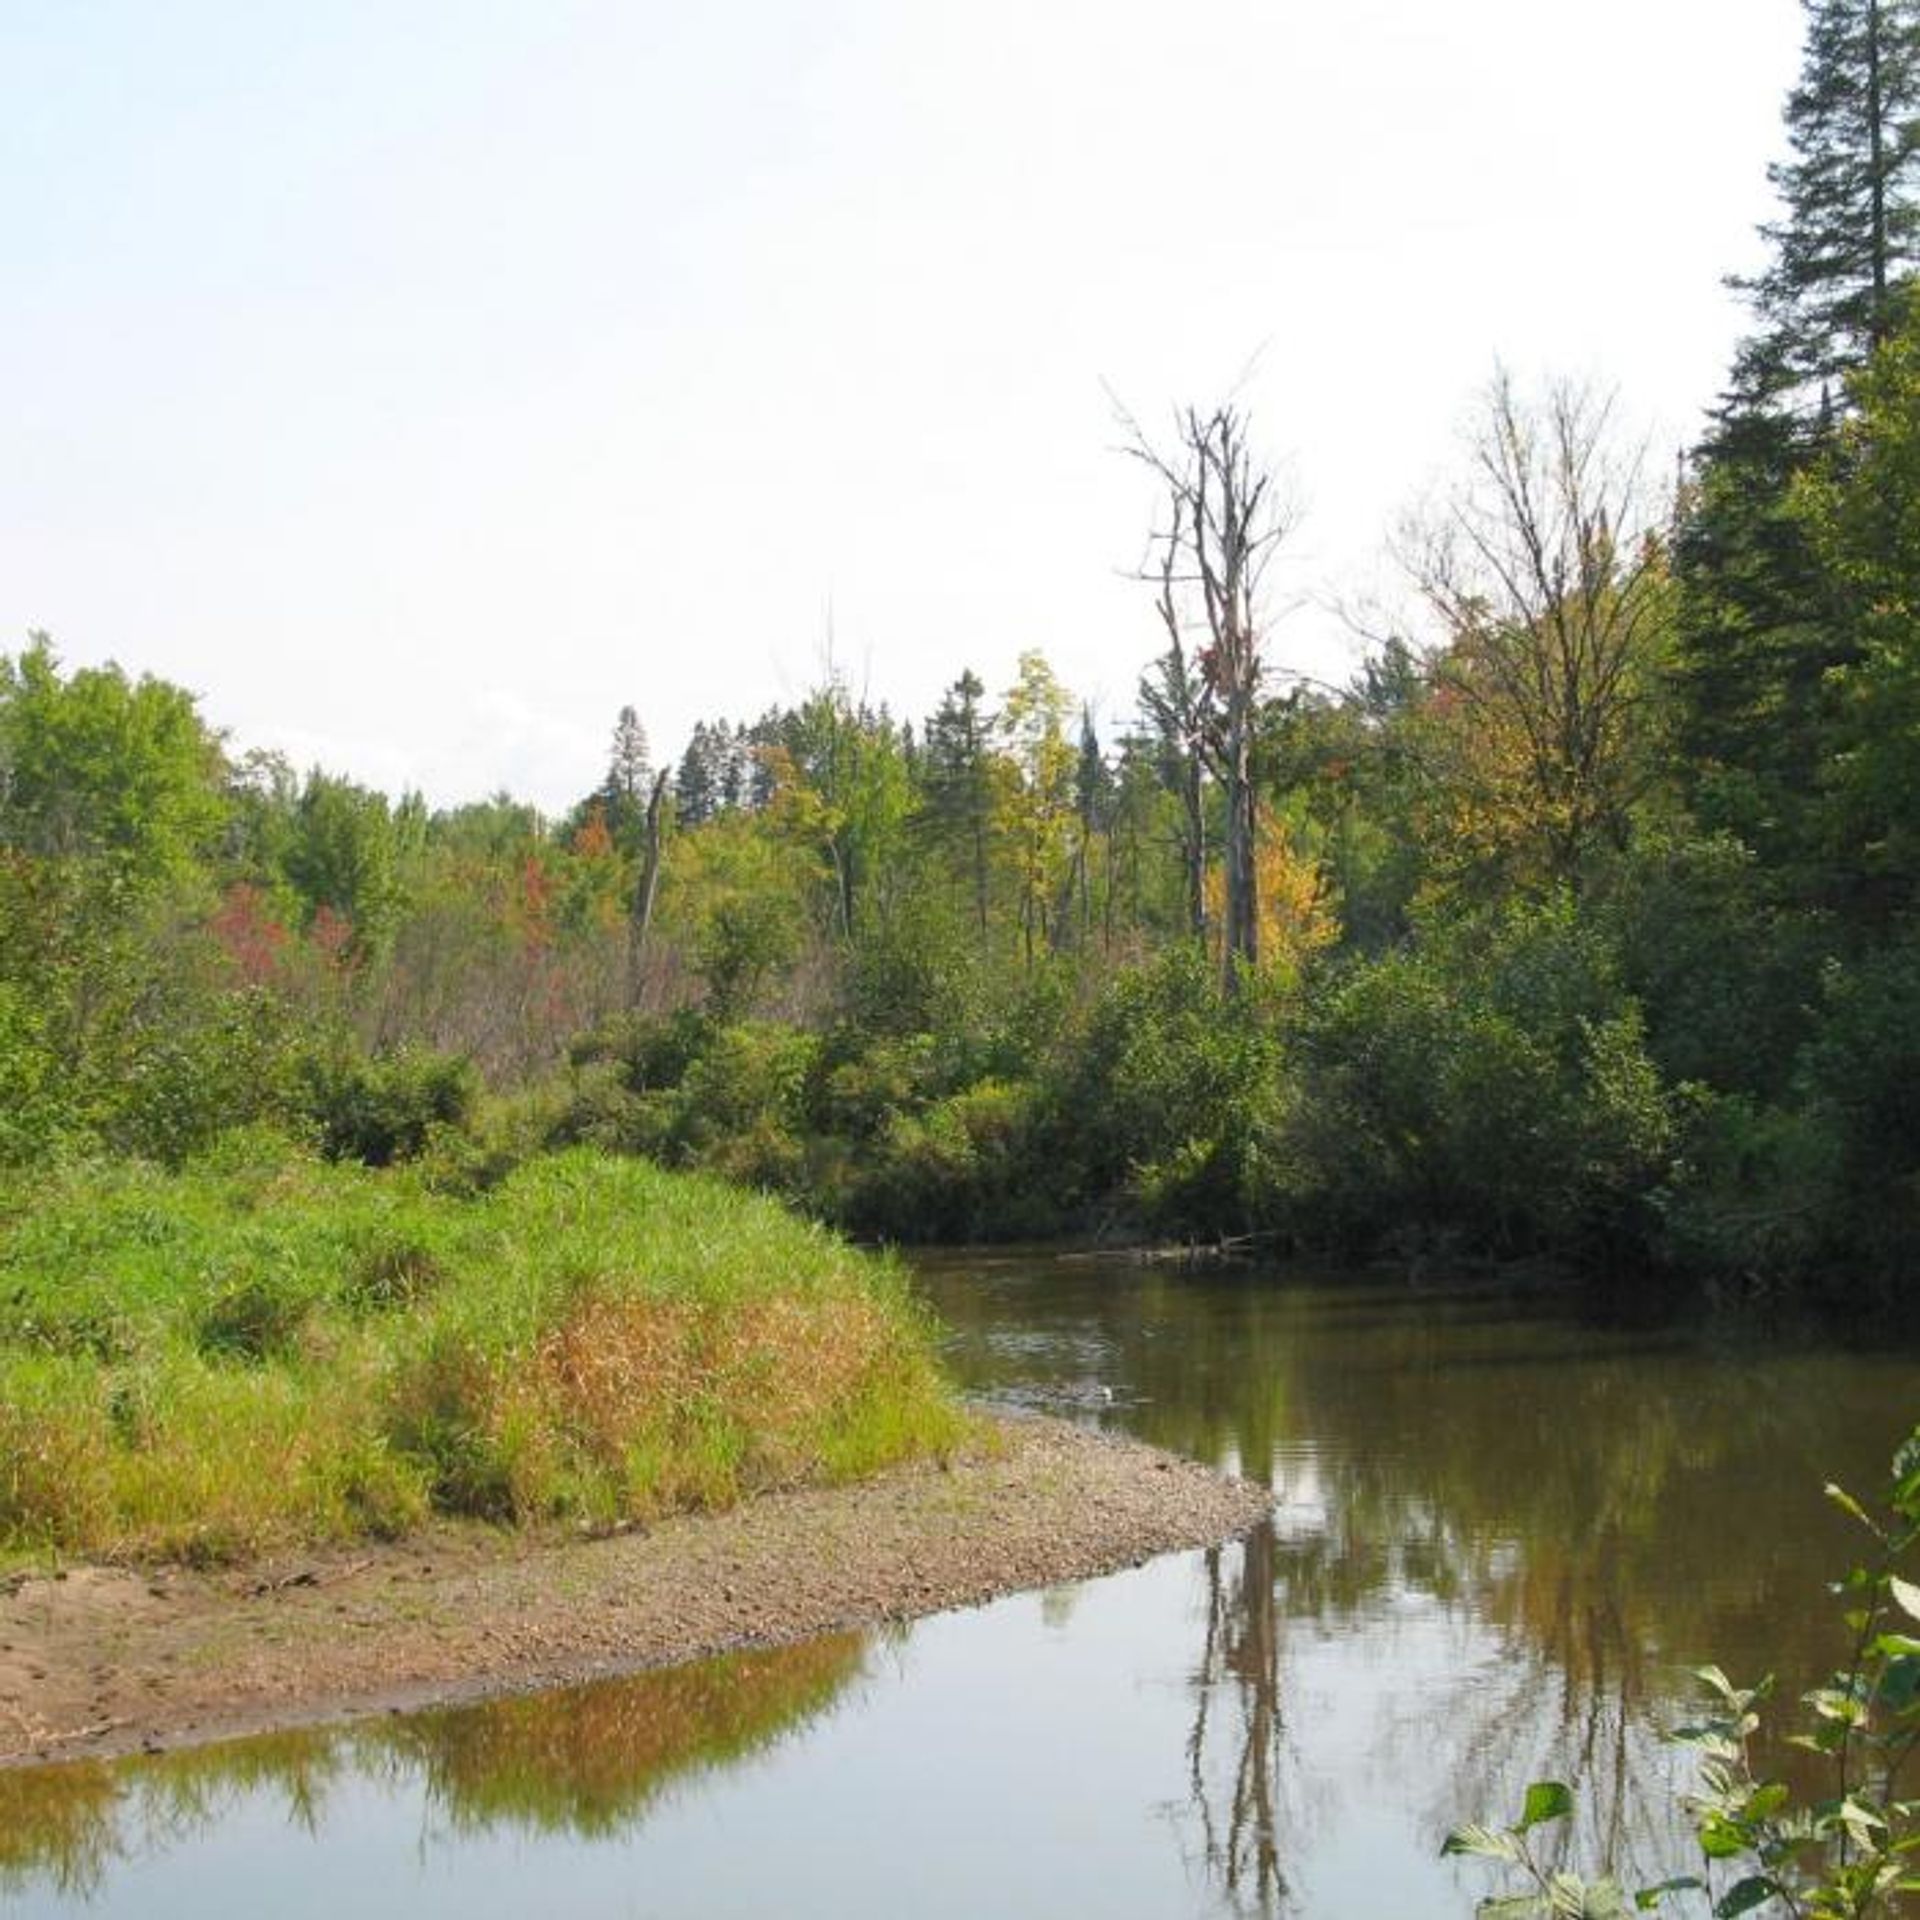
1297 914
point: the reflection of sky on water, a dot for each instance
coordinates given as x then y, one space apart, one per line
1441 1611
1016 1760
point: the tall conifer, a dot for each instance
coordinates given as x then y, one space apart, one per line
1761 635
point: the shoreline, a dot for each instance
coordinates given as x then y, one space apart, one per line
96 1662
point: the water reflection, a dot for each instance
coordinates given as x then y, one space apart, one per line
584 1762
1499 1532
1239 1672
1578 1510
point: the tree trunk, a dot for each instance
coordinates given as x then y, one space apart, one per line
1241 948
640 917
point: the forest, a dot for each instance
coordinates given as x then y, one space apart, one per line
1578 928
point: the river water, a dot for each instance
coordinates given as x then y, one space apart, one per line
1501 1532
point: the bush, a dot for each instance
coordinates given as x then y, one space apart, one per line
384 1109
963 1169
1726 979
1824 1180
36 1110
199 1065
647 1051
1494 1083
1160 1104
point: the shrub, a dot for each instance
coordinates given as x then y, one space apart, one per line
963 1169
648 1051
36 1110
1494 1082
741 1105
1159 1103
379 1110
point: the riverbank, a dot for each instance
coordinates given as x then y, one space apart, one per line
266 1353
97 1661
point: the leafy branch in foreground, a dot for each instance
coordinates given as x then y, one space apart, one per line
1849 1855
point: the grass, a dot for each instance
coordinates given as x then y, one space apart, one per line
265 1350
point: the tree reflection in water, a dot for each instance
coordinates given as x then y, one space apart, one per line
1240 1651
1510 1523
587 1762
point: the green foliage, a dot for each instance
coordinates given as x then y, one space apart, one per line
648 1051
1767 635
1587 933
1494 1080
343 860
1818 1190
267 1348
94 765
1860 1084
1860 506
1846 1855
1850 229
36 1115
1550 1893
966 1167
1167 1095
1725 975
740 1104
383 1109
745 940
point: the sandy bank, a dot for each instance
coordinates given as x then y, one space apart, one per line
109 1660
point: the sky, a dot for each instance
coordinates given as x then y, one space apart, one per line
421 381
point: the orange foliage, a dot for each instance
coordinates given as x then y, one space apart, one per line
249 933
1296 914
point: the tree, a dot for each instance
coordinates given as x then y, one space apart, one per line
1226 520
343 858
1173 701
838 782
1093 798
1850 194
1036 802
622 796
1758 638
1861 508
696 797
956 778
646 888
1549 579
96 766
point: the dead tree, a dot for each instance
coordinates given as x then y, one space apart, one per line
1174 700
1226 520
646 886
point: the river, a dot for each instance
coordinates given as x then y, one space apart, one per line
1502 1530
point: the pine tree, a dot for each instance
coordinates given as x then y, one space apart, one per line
1762 640
623 793
695 798
957 779
1850 195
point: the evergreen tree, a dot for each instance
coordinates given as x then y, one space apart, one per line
1173 702
1850 196
1763 641
1861 507
956 777
623 794
695 793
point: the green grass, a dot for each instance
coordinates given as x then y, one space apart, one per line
265 1349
